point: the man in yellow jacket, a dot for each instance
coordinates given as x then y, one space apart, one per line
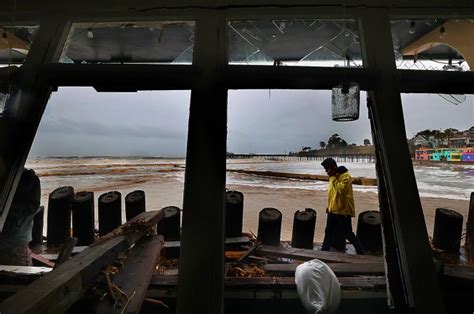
341 207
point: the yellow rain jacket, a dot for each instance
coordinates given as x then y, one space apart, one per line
340 195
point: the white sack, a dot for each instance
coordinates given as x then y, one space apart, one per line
318 287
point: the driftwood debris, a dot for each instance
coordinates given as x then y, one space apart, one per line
66 251
59 289
304 176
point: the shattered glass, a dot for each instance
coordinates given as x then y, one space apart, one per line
15 43
147 42
294 42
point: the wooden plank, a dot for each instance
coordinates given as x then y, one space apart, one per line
53 257
419 280
368 282
325 256
42 260
469 246
340 269
134 277
24 270
59 289
236 240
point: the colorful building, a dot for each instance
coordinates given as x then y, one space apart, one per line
465 154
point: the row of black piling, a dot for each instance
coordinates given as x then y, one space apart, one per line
304 225
63 201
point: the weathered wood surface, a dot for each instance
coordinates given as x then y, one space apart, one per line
340 269
237 240
372 282
54 256
59 289
304 176
134 277
24 270
325 256
41 260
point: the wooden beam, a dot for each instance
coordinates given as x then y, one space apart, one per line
325 256
124 77
287 77
66 250
59 289
134 277
469 246
395 293
340 269
22 116
202 239
448 82
417 269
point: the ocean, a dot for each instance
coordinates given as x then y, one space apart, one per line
452 181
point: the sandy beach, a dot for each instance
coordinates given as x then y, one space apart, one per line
167 191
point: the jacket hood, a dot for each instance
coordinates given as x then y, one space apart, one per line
341 169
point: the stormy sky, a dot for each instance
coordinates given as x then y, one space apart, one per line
82 122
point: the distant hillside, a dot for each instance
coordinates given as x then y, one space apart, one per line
367 150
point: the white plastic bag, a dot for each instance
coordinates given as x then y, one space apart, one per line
318 287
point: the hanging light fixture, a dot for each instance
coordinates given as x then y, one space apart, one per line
345 102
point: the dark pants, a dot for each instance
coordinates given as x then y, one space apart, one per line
340 223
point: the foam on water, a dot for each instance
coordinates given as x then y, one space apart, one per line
452 181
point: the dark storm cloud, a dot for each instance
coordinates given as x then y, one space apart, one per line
80 121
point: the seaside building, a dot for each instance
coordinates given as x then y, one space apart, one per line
211 47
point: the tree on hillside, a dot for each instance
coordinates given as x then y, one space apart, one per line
336 141
322 144
366 141
448 134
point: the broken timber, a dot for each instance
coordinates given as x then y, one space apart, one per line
340 269
304 176
134 277
59 289
325 256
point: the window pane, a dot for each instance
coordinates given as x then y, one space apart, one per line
15 42
157 42
433 44
296 42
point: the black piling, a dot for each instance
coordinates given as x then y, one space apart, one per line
37 231
59 215
369 230
447 230
234 210
110 212
269 226
83 217
134 204
169 226
304 223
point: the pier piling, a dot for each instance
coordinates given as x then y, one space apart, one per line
134 204
447 230
169 226
369 230
234 209
269 226
59 214
304 223
110 212
83 217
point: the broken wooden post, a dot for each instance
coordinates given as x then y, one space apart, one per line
269 226
134 204
58 290
369 230
234 211
110 212
83 217
66 251
169 226
59 214
304 223
469 245
447 230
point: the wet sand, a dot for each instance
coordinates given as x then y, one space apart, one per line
167 191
